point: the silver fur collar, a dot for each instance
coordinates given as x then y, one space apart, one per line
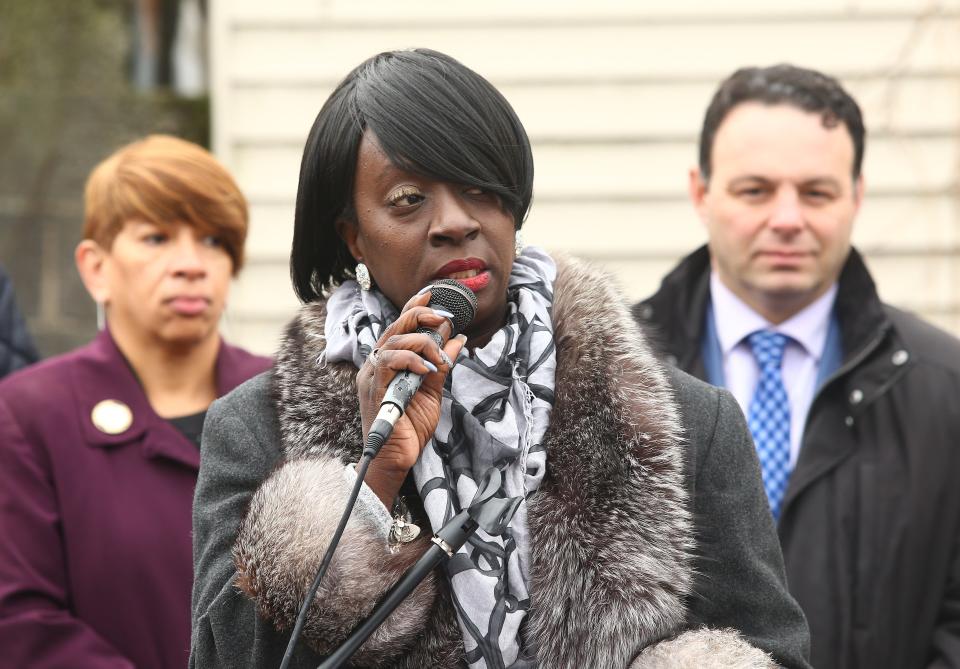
611 530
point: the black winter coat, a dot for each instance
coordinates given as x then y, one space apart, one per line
16 348
870 525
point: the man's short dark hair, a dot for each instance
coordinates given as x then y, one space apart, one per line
805 89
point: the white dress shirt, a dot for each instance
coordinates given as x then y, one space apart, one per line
807 336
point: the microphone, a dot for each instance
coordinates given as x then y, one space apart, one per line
460 301
446 294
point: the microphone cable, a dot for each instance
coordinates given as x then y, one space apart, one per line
374 443
461 303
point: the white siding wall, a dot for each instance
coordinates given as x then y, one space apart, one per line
612 94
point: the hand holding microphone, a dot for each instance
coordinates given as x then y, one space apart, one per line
401 384
414 353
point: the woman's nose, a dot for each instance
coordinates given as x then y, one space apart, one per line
187 260
452 221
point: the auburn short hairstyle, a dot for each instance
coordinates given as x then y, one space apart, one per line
165 180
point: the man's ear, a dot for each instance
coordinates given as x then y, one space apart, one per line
858 190
91 262
697 188
350 235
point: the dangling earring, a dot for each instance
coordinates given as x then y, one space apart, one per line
518 244
101 317
363 276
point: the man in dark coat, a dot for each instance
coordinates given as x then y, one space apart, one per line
16 347
861 453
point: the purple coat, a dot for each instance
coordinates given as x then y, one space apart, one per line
95 547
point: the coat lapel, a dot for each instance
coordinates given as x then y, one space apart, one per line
598 596
825 447
867 368
103 375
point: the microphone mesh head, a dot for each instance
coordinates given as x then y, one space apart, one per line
456 298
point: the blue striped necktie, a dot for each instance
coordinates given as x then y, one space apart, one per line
769 417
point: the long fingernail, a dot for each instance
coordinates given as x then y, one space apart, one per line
423 290
429 365
462 337
444 313
445 358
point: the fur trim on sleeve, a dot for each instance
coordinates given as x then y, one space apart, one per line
701 648
281 542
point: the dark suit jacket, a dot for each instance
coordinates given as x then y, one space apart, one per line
16 347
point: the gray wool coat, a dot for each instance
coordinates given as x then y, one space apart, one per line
652 545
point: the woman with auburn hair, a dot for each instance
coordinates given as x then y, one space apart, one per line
642 536
100 447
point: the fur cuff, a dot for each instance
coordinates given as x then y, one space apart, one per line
704 648
281 542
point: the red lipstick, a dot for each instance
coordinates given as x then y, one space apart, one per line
471 272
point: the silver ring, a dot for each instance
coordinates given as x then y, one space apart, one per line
374 356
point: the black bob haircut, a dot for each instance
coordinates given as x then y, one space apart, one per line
804 89
431 116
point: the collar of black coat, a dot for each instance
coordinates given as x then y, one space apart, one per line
677 311
609 523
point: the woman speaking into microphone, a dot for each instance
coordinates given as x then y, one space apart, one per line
643 537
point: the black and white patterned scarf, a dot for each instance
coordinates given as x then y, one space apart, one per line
494 413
